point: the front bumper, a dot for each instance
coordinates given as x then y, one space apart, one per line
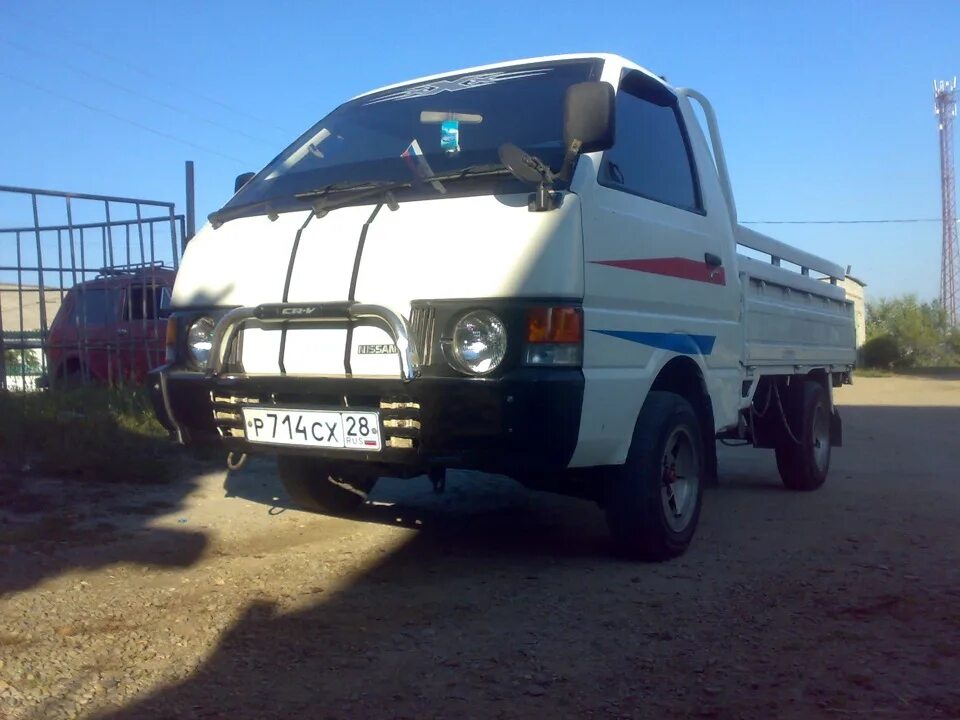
525 421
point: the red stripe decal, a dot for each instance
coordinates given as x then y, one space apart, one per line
677 267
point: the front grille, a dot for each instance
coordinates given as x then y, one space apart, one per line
399 415
422 324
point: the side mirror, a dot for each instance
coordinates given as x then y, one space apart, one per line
589 117
242 180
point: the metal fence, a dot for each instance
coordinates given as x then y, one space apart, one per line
96 268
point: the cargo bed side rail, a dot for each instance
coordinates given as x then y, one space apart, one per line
776 250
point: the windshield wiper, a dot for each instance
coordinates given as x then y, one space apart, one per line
320 198
367 188
354 191
357 190
378 186
363 186
487 170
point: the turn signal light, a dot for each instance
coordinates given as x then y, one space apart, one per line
555 325
171 340
554 336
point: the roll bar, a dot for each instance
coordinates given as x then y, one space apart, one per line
316 313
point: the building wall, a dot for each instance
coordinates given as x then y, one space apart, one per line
10 300
855 292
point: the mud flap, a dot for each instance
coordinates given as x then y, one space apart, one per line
836 429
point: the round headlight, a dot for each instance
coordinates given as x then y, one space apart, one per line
200 339
479 343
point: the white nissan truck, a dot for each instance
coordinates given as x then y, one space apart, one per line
533 269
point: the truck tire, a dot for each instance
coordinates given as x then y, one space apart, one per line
804 465
317 486
653 500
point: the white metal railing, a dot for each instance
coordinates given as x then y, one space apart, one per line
782 251
777 251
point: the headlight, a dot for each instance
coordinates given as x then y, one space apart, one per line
479 343
200 339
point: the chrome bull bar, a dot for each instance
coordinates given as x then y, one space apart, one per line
314 314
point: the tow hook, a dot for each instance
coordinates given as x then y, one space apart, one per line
438 476
236 464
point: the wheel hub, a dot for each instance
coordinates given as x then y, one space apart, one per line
680 470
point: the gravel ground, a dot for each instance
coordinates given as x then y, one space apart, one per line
211 598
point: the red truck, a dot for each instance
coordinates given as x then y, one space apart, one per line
110 329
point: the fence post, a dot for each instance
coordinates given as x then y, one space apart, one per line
191 210
3 348
40 282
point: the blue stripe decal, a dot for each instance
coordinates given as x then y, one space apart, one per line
686 344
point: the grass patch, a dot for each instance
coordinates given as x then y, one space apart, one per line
944 373
947 373
96 432
871 373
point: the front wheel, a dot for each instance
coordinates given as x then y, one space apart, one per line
653 500
803 450
317 486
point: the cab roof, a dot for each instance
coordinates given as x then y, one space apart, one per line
607 58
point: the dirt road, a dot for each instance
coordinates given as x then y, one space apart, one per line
213 599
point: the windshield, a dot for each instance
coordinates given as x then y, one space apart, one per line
411 133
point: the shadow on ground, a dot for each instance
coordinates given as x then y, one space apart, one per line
517 610
51 526
478 512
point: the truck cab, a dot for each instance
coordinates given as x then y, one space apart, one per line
529 268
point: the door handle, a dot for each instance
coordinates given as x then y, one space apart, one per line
712 260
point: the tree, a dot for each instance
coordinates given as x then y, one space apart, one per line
919 331
881 351
953 345
30 360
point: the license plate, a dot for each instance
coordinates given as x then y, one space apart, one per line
313 428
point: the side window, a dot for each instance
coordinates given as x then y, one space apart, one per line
145 301
97 306
651 157
70 318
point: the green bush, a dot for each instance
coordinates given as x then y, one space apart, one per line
96 432
881 352
953 344
918 331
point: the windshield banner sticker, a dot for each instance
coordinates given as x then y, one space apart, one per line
465 83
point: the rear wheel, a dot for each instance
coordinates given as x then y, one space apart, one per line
653 500
803 450
317 486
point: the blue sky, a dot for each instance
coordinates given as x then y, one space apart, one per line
825 107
